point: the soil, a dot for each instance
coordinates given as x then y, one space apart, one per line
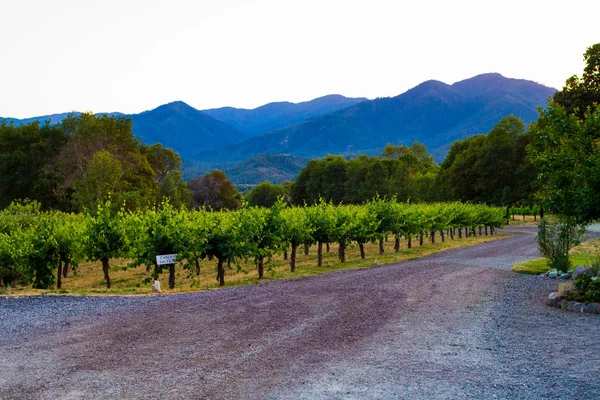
457 324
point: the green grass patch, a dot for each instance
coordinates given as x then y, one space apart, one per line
540 265
584 254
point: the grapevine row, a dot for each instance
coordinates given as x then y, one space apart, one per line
38 248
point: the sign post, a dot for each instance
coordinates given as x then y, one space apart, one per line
166 259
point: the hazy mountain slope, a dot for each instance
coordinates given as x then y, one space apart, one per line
433 113
281 114
183 128
275 168
53 118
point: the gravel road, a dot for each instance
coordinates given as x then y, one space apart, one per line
454 325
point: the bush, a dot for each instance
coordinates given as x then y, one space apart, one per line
555 239
588 289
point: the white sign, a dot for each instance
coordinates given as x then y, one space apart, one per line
166 259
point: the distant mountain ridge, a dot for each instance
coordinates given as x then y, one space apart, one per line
183 128
279 115
188 130
433 113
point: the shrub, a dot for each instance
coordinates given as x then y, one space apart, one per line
588 289
555 239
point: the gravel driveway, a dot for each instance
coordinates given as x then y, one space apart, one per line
457 324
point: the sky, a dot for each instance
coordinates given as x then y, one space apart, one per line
131 56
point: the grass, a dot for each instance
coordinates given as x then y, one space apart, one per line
527 220
88 279
583 254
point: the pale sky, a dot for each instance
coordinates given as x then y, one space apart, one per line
134 55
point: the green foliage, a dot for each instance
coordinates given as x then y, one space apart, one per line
158 231
77 163
13 267
266 194
103 177
106 237
80 165
26 151
579 94
525 210
555 239
34 244
43 253
588 289
276 168
215 191
565 146
401 172
491 168
166 165
566 151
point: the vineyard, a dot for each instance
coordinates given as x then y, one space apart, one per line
40 249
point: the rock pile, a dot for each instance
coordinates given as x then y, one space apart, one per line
555 300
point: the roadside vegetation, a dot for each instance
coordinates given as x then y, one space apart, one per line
41 249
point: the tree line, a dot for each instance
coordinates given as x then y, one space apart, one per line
492 168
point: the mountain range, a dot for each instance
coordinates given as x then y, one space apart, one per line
433 113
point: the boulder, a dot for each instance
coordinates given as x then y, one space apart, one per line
581 270
564 304
575 306
553 299
588 309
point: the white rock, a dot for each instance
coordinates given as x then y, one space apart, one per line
156 287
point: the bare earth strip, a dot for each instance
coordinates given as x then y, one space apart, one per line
457 324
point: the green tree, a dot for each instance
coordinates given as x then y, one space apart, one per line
166 164
26 152
579 94
566 151
265 194
492 168
214 190
565 146
90 134
101 179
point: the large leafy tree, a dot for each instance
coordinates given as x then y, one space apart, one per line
166 164
214 190
491 168
25 153
566 150
565 146
265 194
79 164
582 92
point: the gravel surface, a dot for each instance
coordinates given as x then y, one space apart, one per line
457 324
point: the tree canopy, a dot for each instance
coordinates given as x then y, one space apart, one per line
83 161
566 146
400 171
492 168
214 190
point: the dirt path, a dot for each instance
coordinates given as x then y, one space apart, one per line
454 325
